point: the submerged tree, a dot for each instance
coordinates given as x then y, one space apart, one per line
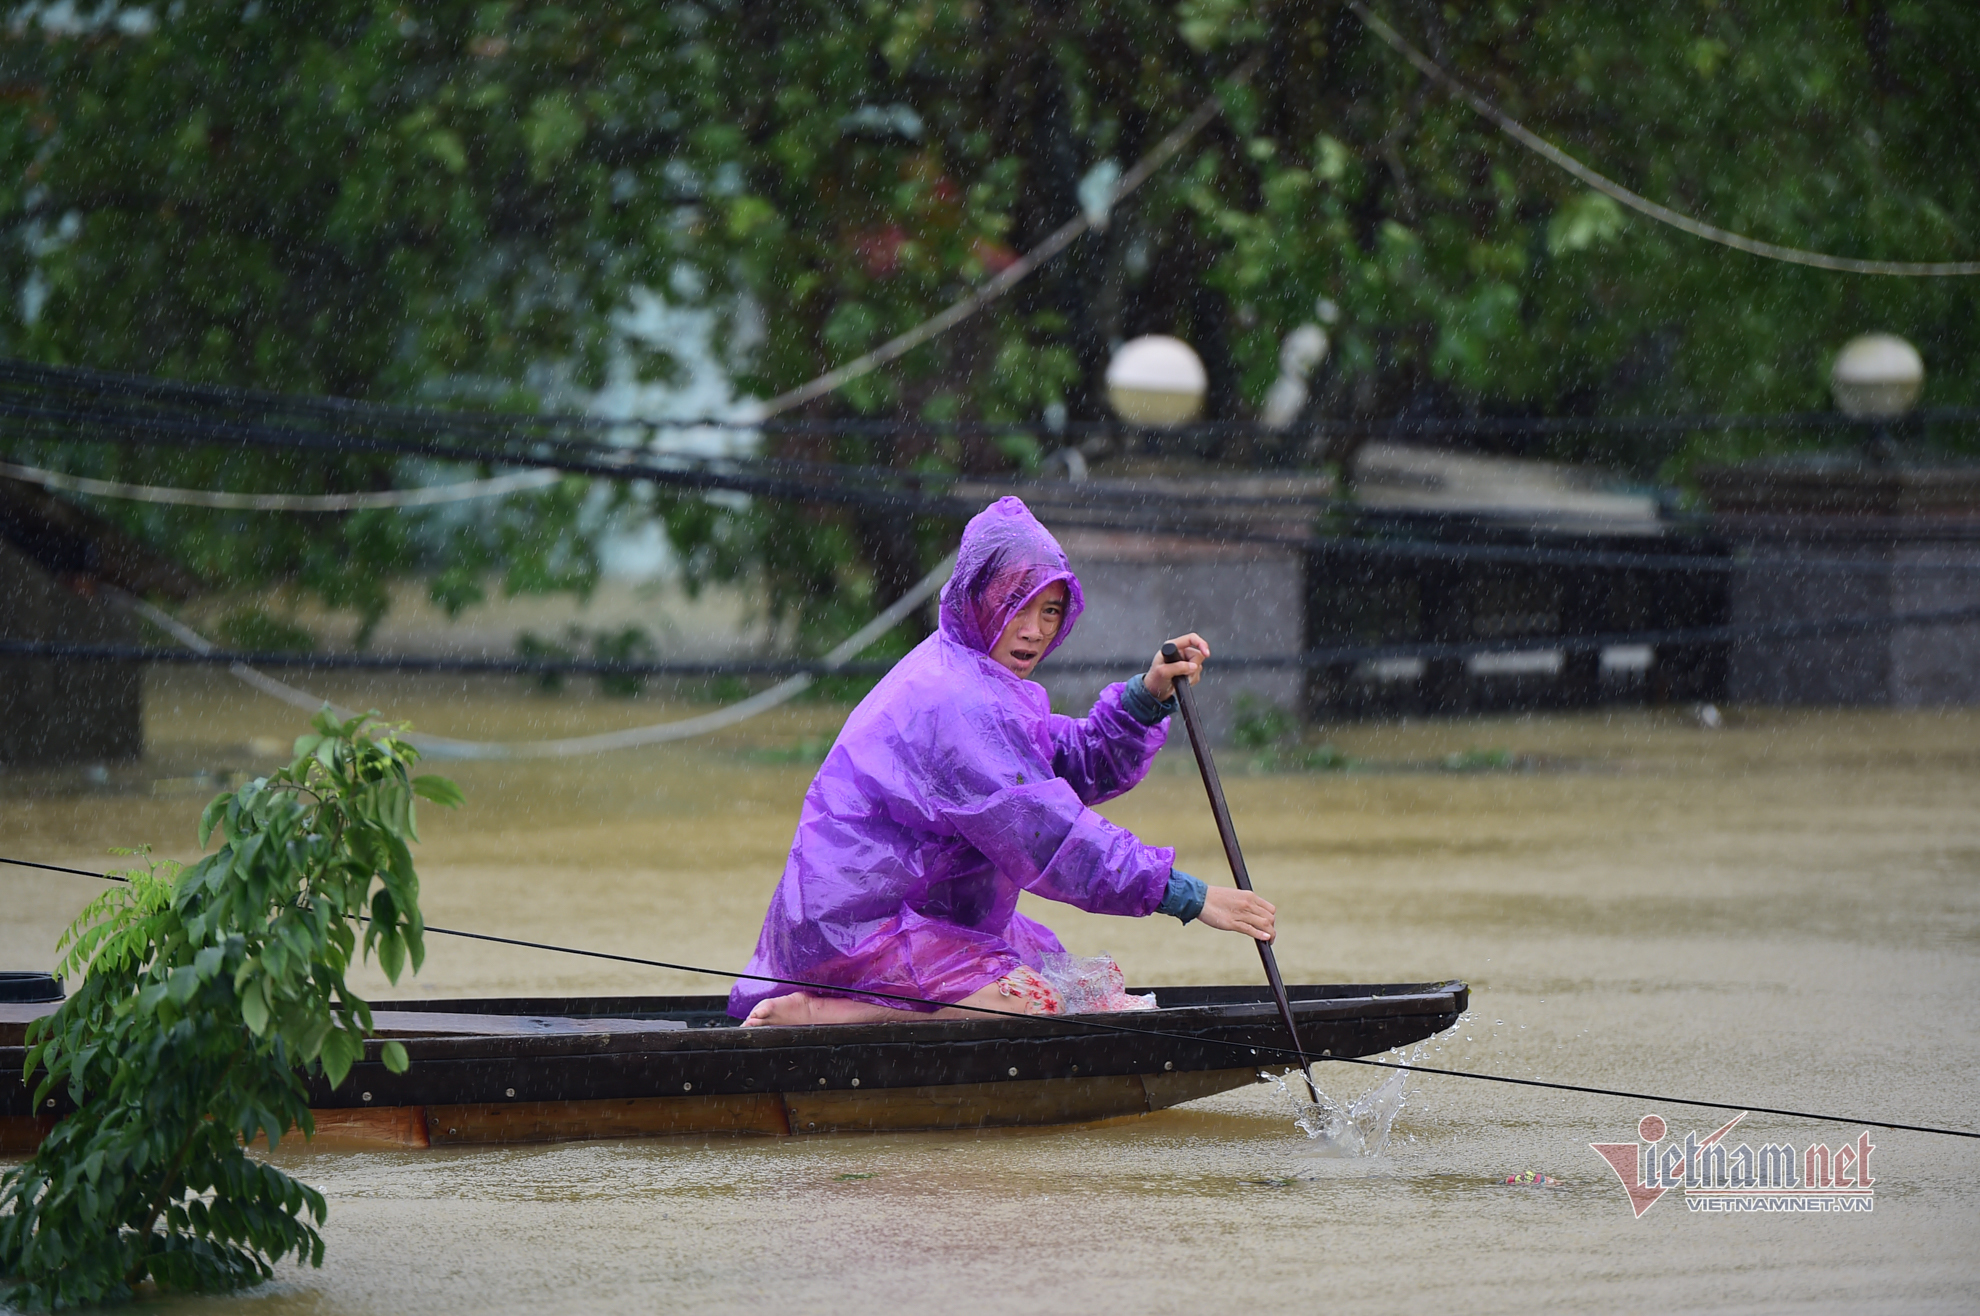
439 203
207 995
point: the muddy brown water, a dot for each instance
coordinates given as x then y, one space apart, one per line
1784 911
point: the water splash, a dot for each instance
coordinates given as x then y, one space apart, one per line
1356 1128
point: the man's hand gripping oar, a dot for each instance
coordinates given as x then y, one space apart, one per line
1214 788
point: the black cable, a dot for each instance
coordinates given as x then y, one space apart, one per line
98 390
1693 635
1084 1021
861 486
100 383
58 868
702 475
1068 504
1332 656
455 666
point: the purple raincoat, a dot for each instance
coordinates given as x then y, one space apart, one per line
952 787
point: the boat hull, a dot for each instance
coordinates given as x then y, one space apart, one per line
563 1069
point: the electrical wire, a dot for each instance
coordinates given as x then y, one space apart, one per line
1072 504
115 388
1284 1054
832 380
802 668
433 495
201 649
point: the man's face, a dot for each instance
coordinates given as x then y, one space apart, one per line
1031 632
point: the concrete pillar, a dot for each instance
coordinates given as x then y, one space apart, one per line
1915 537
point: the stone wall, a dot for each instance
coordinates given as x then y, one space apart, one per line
1245 599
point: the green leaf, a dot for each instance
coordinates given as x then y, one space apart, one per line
398 799
399 860
393 1053
439 790
183 983
309 1041
553 130
391 955
216 809
254 1009
341 1049
1589 220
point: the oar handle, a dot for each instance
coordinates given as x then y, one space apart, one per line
1214 788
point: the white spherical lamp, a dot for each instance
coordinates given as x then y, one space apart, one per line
1877 377
1156 380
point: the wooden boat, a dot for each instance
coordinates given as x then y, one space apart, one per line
546 1070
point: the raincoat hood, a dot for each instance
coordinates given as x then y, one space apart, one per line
1006 558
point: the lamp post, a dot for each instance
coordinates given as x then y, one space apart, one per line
1156 381
1877 377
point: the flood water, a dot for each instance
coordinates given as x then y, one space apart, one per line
1783 911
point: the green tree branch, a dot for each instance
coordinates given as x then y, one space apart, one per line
208 994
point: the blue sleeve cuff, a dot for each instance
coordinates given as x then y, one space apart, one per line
1142 706
1185 896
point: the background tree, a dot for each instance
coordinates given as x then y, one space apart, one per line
456 205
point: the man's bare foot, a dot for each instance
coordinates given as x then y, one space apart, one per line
1029 994
804 1008
777 1010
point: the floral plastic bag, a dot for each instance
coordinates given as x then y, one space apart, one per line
1093 984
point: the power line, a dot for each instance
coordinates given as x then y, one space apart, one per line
831 381
1326 656
1069 505
497 487
421 664
445 747
157 395
1512 128
1097 1025
674 470
1072 504
1606 559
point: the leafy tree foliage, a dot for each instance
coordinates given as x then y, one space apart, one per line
208 993
446 201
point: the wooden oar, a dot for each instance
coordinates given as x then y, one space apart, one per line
1214 788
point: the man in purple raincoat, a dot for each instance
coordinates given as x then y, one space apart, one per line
952 788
